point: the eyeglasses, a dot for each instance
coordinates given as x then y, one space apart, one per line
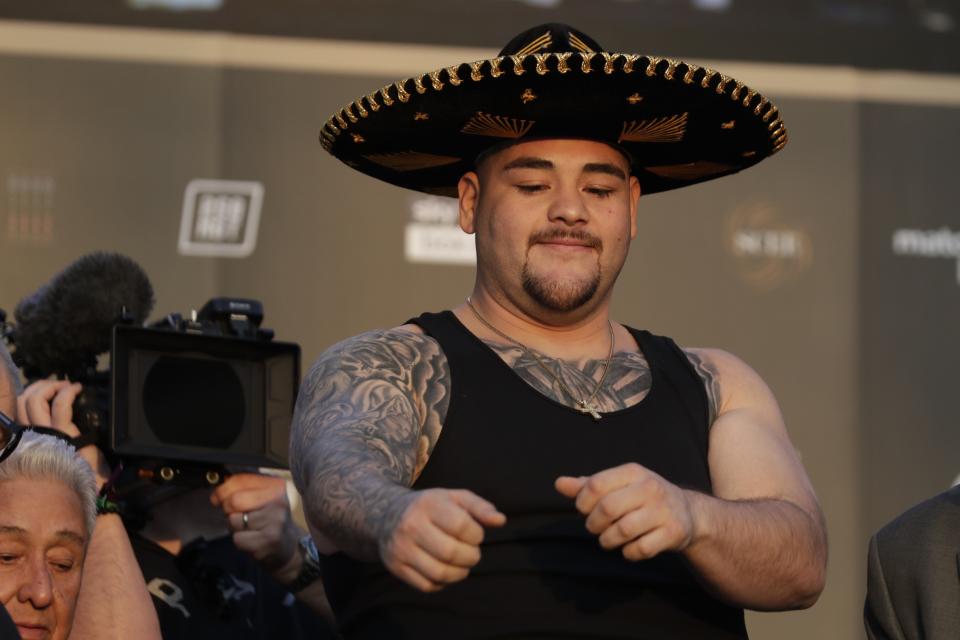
11 433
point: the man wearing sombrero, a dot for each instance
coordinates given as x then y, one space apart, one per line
522 466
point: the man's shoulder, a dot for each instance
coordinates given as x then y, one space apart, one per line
403 357
925 523
405 343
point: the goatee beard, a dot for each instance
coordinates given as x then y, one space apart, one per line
562 296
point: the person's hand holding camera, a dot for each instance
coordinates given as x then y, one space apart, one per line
49 403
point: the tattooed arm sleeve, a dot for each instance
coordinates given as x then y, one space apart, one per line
367 417
707 370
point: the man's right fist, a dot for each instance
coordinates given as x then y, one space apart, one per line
437 538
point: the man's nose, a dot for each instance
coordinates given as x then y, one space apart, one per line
37 586
568 206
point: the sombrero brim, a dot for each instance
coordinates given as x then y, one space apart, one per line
682 124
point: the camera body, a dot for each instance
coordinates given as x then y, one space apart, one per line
184 395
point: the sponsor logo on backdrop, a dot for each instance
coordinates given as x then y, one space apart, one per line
929 243
29 208
433 234
768 252
220 218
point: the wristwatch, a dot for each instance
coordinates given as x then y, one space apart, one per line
310 569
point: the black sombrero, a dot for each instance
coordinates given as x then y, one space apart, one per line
680 123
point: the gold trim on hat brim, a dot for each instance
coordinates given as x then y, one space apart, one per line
754 105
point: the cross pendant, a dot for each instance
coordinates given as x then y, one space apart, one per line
588 408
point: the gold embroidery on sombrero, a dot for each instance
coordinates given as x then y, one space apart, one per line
402 94
541 59
781 136
453 77
608 60
690 170
418 84
334 129
372 101
671 68
769 114
760 106
349 114
747 99
652 63
410 160
585 59
728 125
518 69
385 94
420 115
665 129
748 154
579 44
435 80
495 71
538 43
628 60
475 74
363 112
485 124
528 96
688 76
707 77
635 99
721 83
341 121
735 94
562 61
773 125
357 138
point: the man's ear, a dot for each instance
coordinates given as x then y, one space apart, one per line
468 190
634 205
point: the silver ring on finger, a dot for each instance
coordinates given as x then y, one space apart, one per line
245 518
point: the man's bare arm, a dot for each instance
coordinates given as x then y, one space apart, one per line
368 415
759 541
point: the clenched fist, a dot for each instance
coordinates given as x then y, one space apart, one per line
267 533
436 540
634 508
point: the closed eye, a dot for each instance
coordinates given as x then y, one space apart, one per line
530 188
600 192
61 562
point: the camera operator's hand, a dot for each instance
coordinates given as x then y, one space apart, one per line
268 534
49 403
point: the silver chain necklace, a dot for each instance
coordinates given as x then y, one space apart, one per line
585 406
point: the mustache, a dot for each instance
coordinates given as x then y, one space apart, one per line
578 235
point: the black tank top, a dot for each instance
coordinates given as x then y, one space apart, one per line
543 574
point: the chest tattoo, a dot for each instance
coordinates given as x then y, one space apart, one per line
628 380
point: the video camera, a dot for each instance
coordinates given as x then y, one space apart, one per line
180 398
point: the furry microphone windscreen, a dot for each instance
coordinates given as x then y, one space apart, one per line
67 322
